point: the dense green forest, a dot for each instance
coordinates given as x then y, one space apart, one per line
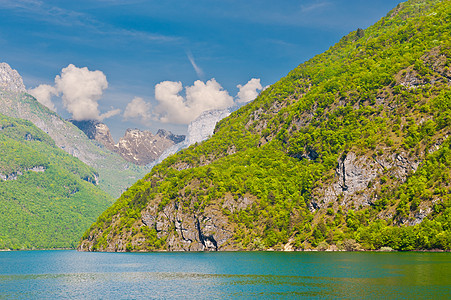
379 102
47 197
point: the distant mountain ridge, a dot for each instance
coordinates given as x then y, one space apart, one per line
115 174
136 146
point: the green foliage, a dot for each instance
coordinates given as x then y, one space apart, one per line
46 200
283 147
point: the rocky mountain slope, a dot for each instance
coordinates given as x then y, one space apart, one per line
47 197
136 146
115 174
351 150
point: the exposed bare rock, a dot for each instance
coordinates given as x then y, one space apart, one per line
136 146
206 231
14 176
10 80
142 147
183 228
96 130
203 126
354 176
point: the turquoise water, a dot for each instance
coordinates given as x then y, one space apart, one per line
230 275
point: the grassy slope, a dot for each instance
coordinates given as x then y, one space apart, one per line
51 206
354 97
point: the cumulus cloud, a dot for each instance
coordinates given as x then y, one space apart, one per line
249 91
200 97
81 89
138 109
43 93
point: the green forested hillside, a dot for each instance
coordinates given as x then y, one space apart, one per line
47 197
351 150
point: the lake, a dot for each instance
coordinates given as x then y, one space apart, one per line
224 275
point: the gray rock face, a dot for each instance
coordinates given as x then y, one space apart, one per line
202 128
136 146
10 80
184 228
14 176
354 175
207 231
142 147
96 130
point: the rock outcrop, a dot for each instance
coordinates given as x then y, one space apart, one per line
14 175
136 146
182 228
355 178
10 80
96 130
142 147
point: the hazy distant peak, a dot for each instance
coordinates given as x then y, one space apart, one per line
10 80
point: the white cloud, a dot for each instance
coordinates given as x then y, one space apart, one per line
137 109
81 89
249 91
200 97
43 93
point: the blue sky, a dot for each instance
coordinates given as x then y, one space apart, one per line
137 45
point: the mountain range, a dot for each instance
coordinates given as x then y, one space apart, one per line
48 195
351 150
140 147
119 165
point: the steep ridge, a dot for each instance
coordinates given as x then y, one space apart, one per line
47 197
351 150
115 174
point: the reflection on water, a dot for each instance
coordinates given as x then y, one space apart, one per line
69 274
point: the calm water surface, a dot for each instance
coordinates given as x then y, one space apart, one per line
243 275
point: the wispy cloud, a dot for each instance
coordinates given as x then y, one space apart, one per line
199 71
315 6
55 15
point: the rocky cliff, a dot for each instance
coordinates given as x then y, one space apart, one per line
97 131
136 146
10 80
142 147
